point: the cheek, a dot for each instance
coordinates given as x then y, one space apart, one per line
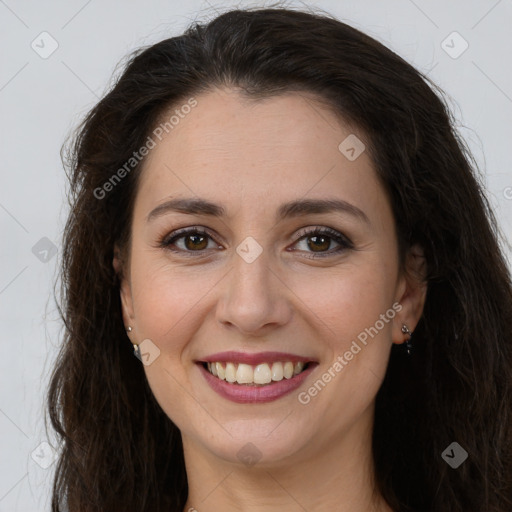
168 299
347 301
347 311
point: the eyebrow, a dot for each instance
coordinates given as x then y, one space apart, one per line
291 209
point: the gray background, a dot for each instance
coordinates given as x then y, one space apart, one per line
42 99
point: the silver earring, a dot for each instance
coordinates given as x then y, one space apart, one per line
408 344
136 352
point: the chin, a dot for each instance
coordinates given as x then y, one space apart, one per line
265 442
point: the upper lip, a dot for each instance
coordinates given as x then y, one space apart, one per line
255 358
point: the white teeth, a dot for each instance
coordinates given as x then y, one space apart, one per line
261 374
288 370
213 368
230 372
244 374
277 371
221 373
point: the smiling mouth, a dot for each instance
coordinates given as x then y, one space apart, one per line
263 374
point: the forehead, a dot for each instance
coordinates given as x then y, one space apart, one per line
293 125
231 146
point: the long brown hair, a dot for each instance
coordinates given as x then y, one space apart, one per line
120 450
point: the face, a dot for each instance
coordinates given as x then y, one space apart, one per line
261 288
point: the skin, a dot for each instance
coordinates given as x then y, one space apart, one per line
251 157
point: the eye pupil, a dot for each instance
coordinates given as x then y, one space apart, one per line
324 245
194 245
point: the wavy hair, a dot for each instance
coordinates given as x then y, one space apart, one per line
120 452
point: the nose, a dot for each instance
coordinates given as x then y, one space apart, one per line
254 298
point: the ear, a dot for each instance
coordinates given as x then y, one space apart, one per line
411 293
121 269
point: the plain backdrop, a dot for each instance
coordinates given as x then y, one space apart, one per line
57 60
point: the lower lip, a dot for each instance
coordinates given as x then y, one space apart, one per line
244 394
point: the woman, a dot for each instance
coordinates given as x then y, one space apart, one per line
276 212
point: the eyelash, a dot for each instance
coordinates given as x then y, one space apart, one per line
343 241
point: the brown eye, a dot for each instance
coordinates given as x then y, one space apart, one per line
188 241
196 241
321 243
318 242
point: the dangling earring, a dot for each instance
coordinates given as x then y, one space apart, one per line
136 350
408 344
